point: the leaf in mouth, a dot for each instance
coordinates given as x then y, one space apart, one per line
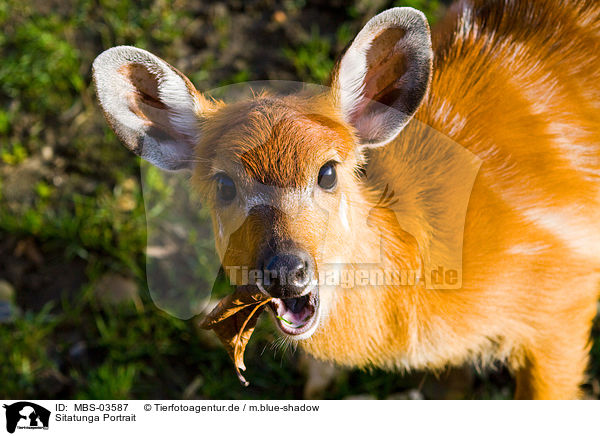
284 320
233 320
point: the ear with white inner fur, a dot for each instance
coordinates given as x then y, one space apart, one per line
384 74
153 108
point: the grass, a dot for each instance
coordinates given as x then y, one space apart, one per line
312 59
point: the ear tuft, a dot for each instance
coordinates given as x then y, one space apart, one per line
153 108
384 75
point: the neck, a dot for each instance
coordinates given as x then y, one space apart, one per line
400 229
367 305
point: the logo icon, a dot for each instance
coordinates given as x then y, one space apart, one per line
26 415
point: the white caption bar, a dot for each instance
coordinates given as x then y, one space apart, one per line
288 418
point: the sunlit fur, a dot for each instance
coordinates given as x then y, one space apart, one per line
518 84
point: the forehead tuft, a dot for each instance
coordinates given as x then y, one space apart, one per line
279 142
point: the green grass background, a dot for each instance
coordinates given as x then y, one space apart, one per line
72 217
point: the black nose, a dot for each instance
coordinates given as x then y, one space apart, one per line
287 274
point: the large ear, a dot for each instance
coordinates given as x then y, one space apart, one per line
384 74
153 108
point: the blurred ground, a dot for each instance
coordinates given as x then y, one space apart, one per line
76 320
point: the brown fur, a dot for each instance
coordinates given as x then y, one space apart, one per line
515 88
517 84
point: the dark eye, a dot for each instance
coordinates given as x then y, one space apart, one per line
327 176
225 188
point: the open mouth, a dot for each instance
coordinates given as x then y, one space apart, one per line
296 316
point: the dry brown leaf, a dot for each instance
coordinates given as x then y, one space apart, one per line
233 320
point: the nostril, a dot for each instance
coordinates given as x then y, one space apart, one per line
299 276
286 274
